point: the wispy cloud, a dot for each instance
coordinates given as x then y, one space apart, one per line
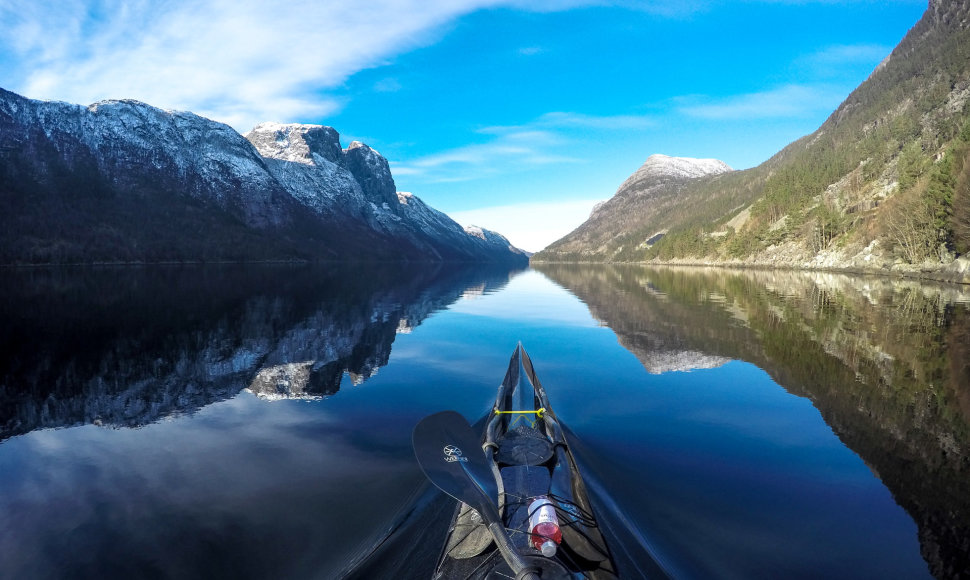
511 151
566 120
664 8
786 101
239 61
835 61
850 52
516 147
611 122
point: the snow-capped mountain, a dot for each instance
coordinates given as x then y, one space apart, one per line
652 189
357 181
660 171
427 219
125 181
117 143
659 166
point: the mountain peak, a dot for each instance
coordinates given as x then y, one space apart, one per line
878 187
172 185
364 148
296 142
121 103
659 165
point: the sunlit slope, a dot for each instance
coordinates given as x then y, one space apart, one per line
882 183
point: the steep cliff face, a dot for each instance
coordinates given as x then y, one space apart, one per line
356 182
308 160
372 173
881 185
124 181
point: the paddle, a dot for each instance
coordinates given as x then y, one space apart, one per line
451 457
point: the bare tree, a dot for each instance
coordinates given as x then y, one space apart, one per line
910 227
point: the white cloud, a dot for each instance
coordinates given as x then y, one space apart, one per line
571 120
236 61
239 61
851 52
786 101
611 122
511 151
530 226
517 147
837 61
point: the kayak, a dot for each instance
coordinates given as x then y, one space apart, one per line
545 526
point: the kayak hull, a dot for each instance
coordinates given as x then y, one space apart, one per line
527 451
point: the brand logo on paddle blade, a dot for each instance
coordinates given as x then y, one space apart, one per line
453 453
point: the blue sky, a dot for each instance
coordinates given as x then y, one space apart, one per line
515 115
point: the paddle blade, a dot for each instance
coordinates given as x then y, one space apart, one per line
450 454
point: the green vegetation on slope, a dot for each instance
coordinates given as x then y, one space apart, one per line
888 166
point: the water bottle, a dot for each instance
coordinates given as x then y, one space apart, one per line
544 526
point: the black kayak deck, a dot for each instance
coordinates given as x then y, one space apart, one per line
530 458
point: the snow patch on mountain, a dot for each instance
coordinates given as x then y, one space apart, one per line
283 142
308 161
256 176
127 138
680 167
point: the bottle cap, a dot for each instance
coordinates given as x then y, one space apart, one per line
548 548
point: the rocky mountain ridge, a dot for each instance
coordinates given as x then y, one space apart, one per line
122 181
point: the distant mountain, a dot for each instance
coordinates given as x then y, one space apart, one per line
883 184
654 189
121 181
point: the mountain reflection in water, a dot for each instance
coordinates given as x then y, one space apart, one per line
886 362
170 468
183 422
127 347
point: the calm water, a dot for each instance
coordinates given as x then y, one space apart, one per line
254 422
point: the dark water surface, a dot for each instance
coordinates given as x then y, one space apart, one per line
254 422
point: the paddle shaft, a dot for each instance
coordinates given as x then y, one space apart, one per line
512 557
440 444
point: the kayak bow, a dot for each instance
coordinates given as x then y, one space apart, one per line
529 473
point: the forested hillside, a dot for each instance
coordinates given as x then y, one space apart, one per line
883 183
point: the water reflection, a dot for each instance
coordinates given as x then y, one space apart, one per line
886 362
214 481
126 347
720 470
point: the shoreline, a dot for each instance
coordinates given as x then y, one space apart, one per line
957 272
